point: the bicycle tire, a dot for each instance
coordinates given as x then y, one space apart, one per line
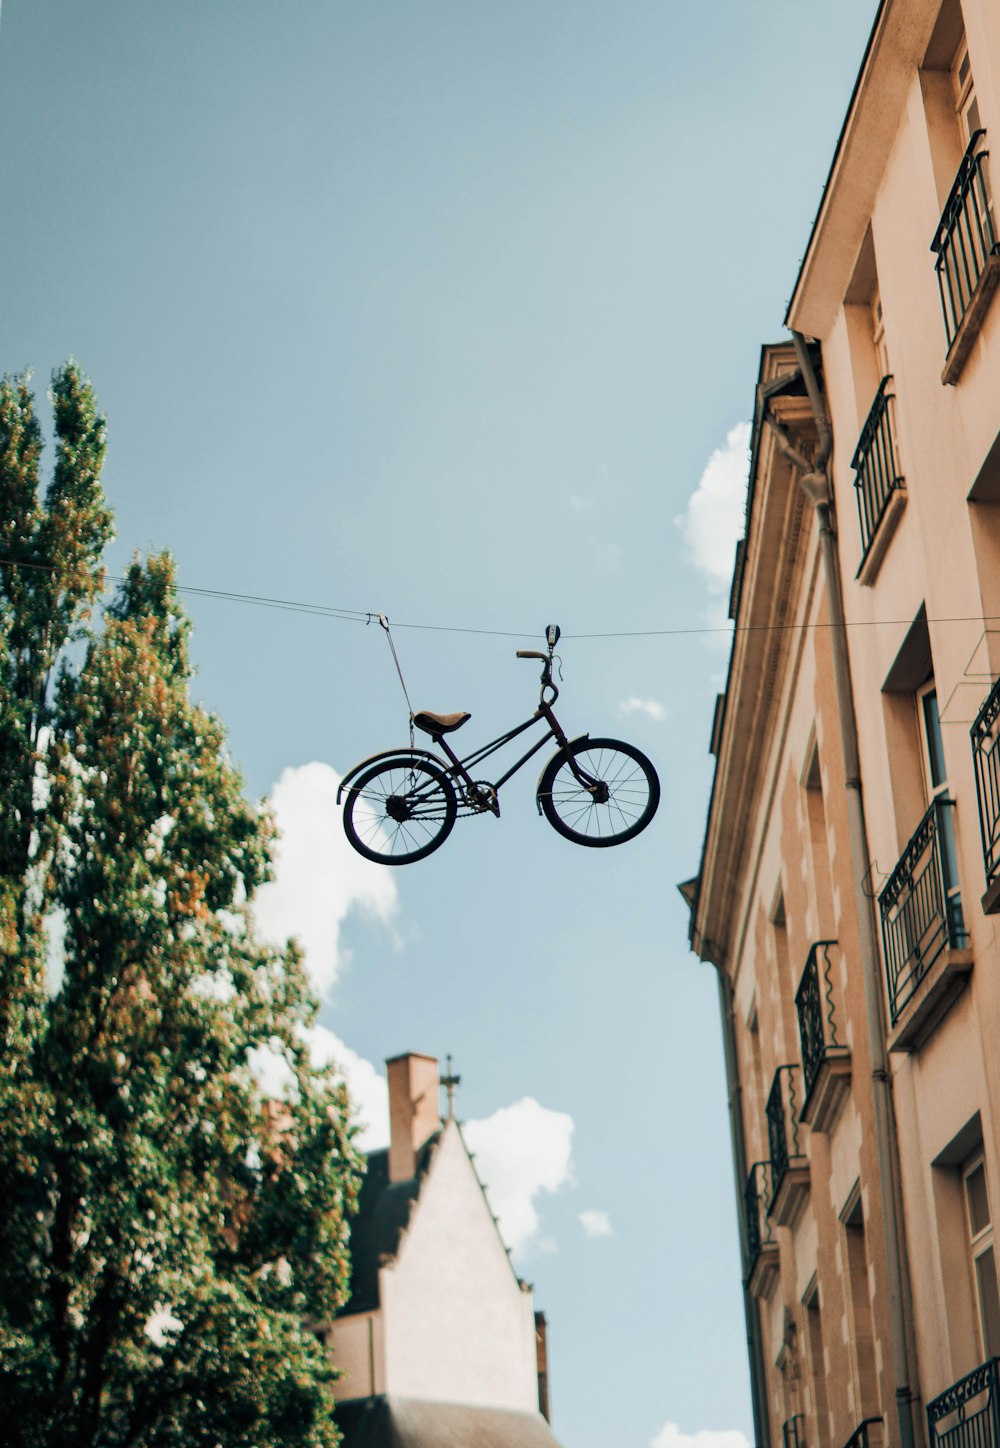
399 811
632 800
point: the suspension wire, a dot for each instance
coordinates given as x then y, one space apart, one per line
395 659
365 616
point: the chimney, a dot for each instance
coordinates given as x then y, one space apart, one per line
413 1110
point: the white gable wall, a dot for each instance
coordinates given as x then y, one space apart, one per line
457 1325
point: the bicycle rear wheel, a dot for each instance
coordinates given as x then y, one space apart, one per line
618 805
399 811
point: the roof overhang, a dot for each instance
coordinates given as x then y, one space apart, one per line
776 522
896 48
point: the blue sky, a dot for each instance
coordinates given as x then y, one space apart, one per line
445 310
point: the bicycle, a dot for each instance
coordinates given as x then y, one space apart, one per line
402 804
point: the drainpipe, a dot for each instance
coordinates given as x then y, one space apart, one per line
751 1307
815 483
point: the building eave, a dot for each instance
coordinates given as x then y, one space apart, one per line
896 48
775 525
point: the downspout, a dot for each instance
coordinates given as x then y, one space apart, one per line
815 482
751 1307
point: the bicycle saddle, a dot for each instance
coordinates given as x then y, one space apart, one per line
439 723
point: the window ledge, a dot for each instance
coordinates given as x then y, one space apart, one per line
827 1094
790 1198
932 1000
882 537
766 1271
991 899
958 353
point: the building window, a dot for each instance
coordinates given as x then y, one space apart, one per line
879 485
979 1223
860 1305
817 1366
921 904
966 104
936 777
965 243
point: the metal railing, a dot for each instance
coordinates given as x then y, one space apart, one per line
875 465
965 238
756 1200
985 735
783 1105
863 1434
817 1022
920 906
967 1415
792 1435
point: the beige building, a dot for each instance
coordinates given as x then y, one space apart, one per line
850 872
439 1343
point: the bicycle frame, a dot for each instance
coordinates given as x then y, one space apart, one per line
458 768
461 767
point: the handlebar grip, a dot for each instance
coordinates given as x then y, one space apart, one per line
532 654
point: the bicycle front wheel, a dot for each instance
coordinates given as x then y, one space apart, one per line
399 811
614 803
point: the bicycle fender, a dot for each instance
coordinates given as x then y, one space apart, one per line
578 740
403 752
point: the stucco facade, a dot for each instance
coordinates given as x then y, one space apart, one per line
849 874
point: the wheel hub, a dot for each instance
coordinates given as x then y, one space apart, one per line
397 809
600 793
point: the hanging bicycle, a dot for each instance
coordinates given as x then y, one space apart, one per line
402 804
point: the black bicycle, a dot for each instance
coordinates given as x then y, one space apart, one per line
403 803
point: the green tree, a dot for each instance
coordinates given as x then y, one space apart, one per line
166 1234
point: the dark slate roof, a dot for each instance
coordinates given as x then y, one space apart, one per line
391 1422
383 1213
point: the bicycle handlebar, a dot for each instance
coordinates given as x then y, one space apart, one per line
547 684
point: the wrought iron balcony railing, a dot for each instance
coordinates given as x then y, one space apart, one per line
876 469
817 1021
868 1434
965 239
783 1106
756 1200
920 906
792 1435
986 757
967 1415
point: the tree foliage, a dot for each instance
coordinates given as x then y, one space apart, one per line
166 1234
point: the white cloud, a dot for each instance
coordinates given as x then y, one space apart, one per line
54 925
652 707
713 522
596 1223
319 878
521 1150
161 1325
367 1089
670 1436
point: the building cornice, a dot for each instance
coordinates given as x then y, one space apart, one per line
896 49
777 524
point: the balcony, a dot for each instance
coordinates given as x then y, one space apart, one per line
968 257
924 939
762 1249
868 1434
792 1432
826 1060
789 1166
986 759
878 483
968 1414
